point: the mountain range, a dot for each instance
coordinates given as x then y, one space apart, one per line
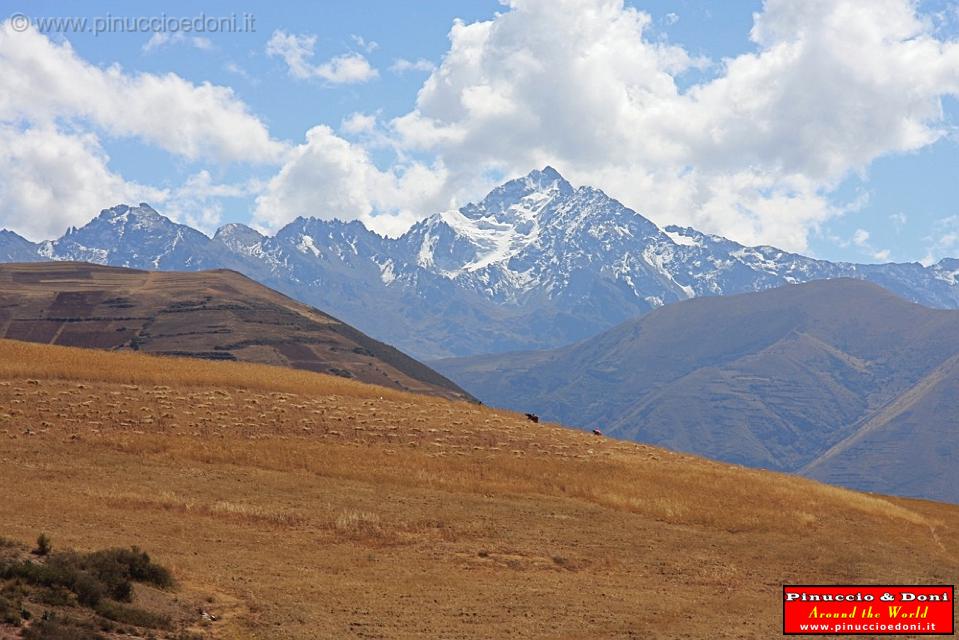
214 315
838 380
536 264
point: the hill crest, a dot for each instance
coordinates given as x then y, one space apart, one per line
218 315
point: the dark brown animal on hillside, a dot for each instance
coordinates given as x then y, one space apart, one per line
532 417
597 432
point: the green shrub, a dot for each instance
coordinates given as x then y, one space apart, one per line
122 591
89 590
14 590
44 545
35 573
9 611
54 596
93 576
112 565
99 580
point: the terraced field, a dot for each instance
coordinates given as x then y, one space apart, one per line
214 315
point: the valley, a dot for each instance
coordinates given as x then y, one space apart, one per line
840 380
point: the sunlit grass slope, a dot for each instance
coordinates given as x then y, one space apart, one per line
317 507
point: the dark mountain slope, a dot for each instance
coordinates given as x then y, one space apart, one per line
774 379
909 447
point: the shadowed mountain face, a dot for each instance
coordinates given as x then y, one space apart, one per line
217 315
13 248
840 380
536 264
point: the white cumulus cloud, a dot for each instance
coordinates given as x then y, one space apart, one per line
50 180
367 45
753 147
56 108
161 39
402 65
44 81
297 52
329 177
754 151
198 202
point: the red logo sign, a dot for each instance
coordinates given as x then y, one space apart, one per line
915 610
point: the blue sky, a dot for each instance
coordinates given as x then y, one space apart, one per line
881 187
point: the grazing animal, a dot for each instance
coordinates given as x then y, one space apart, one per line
532 417
597 432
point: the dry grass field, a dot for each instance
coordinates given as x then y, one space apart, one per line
308 506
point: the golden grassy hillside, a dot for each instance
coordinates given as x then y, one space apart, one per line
315 507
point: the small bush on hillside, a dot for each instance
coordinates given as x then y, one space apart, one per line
44 545
9 611
92 577
14 591
55 597
130 564
89 590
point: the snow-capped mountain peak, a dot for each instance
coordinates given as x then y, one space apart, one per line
240 239
520 197
236 232
490 232
131 237
536 263
535 233
122 212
